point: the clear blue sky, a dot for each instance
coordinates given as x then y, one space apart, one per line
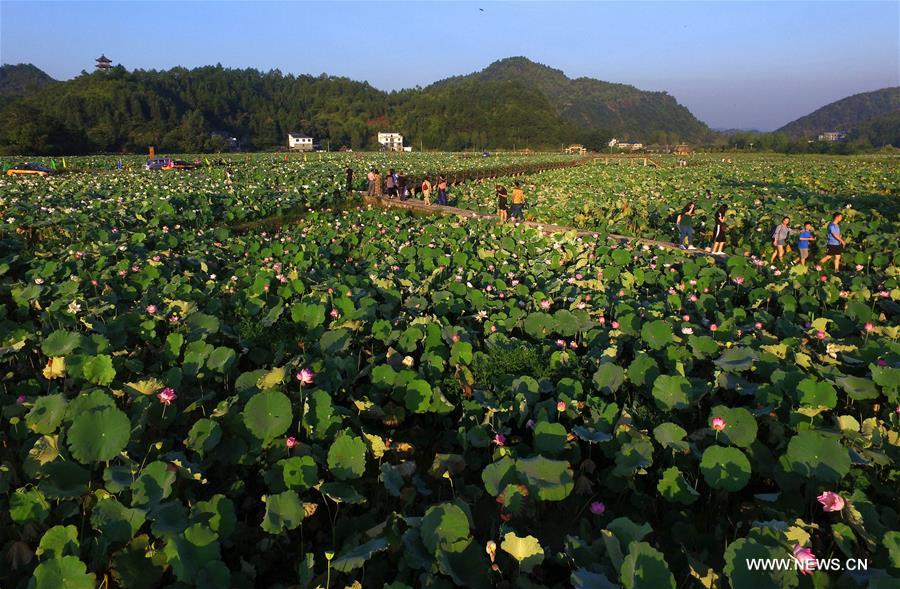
733 64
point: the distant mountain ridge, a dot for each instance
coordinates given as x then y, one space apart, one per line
595 104
513 103
22 78
847 114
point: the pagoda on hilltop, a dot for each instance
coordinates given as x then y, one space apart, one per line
103 63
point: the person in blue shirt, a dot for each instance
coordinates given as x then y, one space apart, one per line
835 243
803 242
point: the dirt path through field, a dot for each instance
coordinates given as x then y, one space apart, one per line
416 205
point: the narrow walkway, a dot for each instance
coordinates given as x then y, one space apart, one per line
545 228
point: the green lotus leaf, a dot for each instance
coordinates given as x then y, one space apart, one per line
356 557
99 370
189 552
813 393
549 438
549 480
539 325
739 574
221 359
527 551
64 479
299 472
310 316
57 542
60 343
284 511
68 572
672 392
736 359
725 468
671 435
97 436
217 514
498 474
268 415
589 435
609 377
347 457
859 389
116 522
657 334
335 341
445 527
46 414
740 425
645 567
153 484
461 353
674 488
204 435
819 455
643 369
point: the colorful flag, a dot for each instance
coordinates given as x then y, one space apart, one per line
207 162
64 163
52 164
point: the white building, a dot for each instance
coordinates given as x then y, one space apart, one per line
833 136
300 142
390 141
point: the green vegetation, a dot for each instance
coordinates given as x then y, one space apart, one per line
367 398
195 110
847 114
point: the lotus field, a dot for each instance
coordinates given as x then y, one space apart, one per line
360 397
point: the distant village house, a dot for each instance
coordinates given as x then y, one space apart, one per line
300 142
576 149
390 141
833 136
682 149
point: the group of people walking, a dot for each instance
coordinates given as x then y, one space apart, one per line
834 243
396 184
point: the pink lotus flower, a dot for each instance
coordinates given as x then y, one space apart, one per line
859 267
614 325
454 338
882 362
805 558
597 508
823 278
694 298
739 280
290 442
500 439
869 327
334 314
493 329
831 501
20 400
151 309
545 304
687 330
718 423
818 268
714 327
602 320
305 376
561 406
560 343
758 325
685 317
821 335
166 396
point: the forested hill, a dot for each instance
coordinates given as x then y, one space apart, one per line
21 79
848 114
624 110
194 110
